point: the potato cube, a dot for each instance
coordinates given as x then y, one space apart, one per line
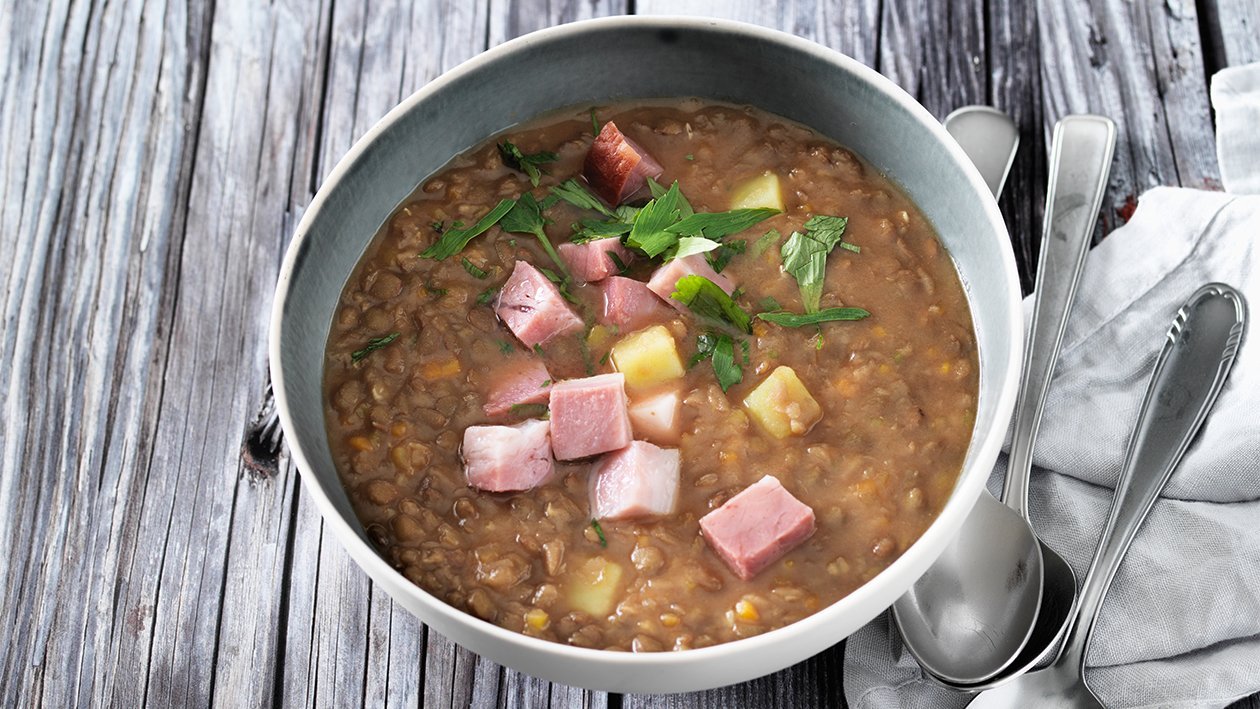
648 357
593 586
782 405
759 192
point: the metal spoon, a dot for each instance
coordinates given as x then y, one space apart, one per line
1198 353
976 609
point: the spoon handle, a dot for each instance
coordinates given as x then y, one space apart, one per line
989 138
1080 160
1198 353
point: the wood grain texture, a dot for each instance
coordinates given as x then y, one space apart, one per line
155 157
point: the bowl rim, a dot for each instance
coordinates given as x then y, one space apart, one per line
966 491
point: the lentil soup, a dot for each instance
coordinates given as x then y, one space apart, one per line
615 448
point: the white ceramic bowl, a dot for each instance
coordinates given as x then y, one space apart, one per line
598 62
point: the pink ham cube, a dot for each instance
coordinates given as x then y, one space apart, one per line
616 166
757 527
523 379
588 416
639 480
507 458
532 307
591 262
629 304
666 277
657 417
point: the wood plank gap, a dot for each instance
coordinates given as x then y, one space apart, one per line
286 579
322 108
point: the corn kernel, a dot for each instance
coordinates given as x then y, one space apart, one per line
746 611
537 619
360 443
440 370
728 457
879 331
884 369
846 387
399 429
946 367
670 620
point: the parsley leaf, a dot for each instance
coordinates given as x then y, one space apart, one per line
649 233
575 194
715 225
728 372
690 245
528 164
767 240
805 256
721 257
720 349
530 411
487 295
603 541
786 319
592 229
526 217
454 240
707 299
473 269
373 345
684 207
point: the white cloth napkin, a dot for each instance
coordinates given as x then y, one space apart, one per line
1181 624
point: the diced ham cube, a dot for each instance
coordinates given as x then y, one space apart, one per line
616 166
666 277
507 458
657 417
523 379
590 262
757 527
532 307
588 416
629 304
639 480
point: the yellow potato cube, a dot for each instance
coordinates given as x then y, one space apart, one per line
782 405
648 357
592 587
759 192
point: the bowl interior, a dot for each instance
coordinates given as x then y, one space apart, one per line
605 61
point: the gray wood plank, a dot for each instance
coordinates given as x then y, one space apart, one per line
1231 29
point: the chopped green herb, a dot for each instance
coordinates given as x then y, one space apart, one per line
487 295
721 257
530 411
505 347
373 345
539 350
603 541
604 360
707 299
434 290
769 304
592 229
473 269
805 256
548 202
728 372
787 319
715 225
621 265
525 217
767 240
575 194
438 226
817 339
594 122
546 383
720 349
689 156
512 243
684 207
453 240
528 164
691 245
649 233
551 275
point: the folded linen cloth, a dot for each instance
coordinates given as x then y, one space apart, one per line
1181 624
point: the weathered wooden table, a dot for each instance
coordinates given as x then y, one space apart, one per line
154 159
